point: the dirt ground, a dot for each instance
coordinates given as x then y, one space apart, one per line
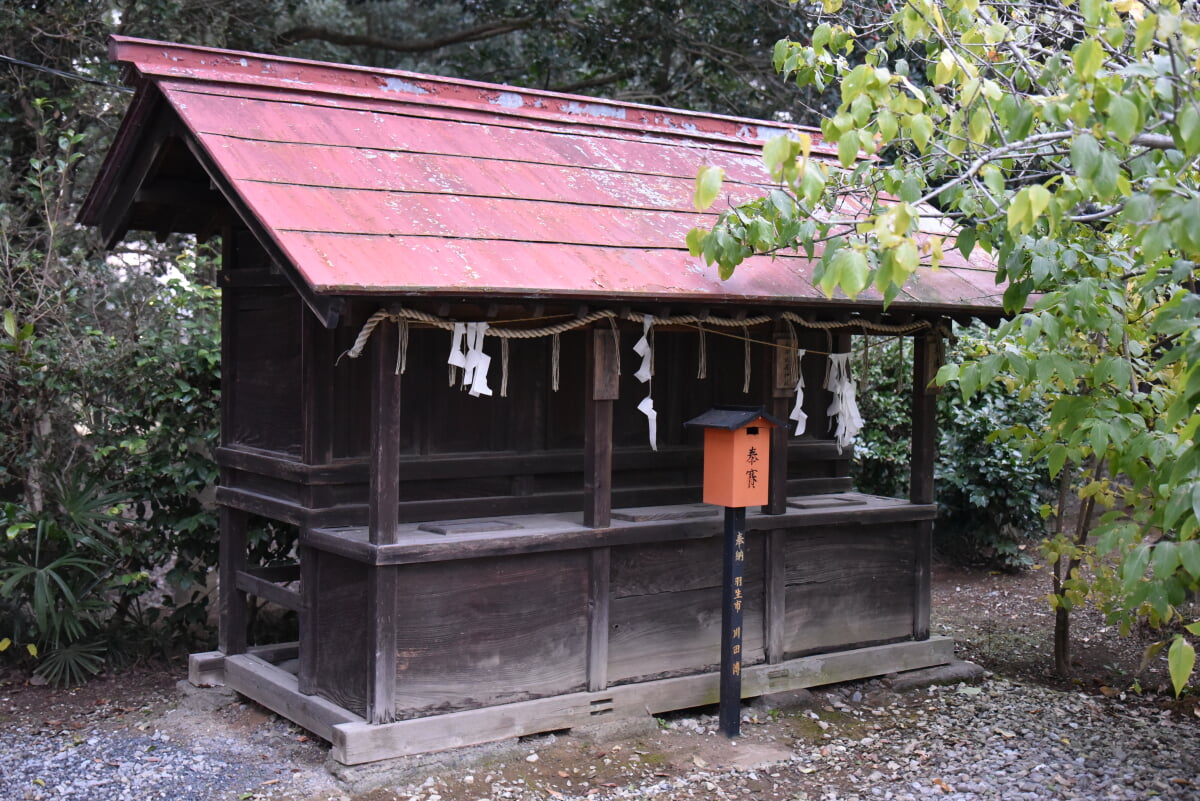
999 621
1003 622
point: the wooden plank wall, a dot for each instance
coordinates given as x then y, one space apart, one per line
341 660
482 632
665 608
847 587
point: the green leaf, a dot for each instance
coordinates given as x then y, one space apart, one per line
968 381
695 241
1189 557
1133 569
4 644
966 242
1085 155
1088 58
1057 458
10 323
848 148
1181 660
981 123
1188 120
1166 559
1123 118
849 271
776 151
708 186
920 128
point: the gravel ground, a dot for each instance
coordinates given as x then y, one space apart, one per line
994 740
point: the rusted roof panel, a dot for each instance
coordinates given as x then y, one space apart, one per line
389 183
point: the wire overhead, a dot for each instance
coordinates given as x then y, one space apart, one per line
74 76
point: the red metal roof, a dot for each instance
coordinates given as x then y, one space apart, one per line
391 183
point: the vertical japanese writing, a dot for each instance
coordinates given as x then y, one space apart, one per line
752 460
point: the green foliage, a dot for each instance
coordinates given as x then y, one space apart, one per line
989 493
1075 167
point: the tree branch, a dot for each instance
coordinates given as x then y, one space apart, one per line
1154 141
488 30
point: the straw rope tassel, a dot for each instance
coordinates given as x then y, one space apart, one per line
702 356
504 368
401 346
555 357
616 332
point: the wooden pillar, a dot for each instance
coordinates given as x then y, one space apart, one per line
599 578
231 632
783 385
382 586
601 388
775 588
926 361
306 677
382 580
385 437
317 359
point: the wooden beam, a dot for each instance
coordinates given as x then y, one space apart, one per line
231 631
310 565
358 742
385 436
317 388
775 589
268 591
114 219
926 362
783 387
927 356
327 308
601 388
276 689
599 579
207 669
382 584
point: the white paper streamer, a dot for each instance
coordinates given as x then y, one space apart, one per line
644 374
457 357
798 409
840 382
642 348
646 407
476 369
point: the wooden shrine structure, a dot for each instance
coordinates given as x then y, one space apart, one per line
489 544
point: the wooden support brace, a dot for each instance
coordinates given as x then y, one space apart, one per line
385 437
232 623
599 577
306 678
774 588
382 583
927 356
601 388
782 393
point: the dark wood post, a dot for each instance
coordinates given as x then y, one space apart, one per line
599 582
732 599
231 632
601 388
926 361
782 393
385 437
382 580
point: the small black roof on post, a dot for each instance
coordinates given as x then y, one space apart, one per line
732 418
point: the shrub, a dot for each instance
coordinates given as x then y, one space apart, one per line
988 493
